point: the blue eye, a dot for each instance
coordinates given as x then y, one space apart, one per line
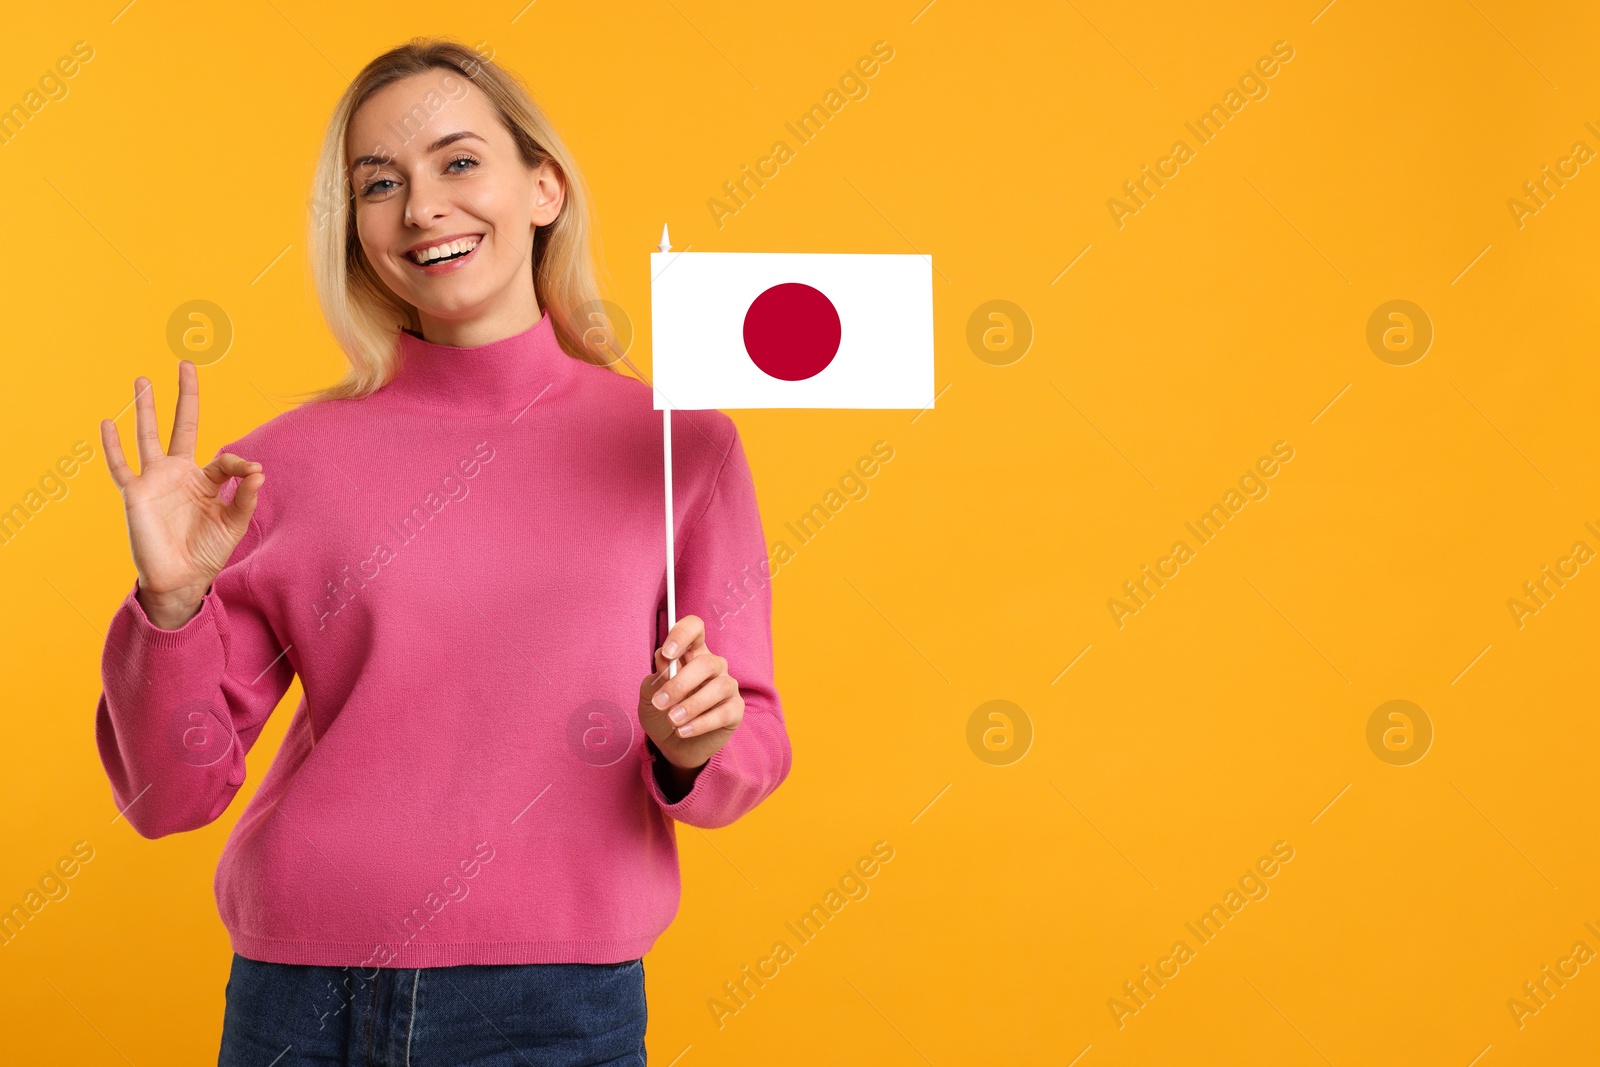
373 185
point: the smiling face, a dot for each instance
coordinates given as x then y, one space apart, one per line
456 193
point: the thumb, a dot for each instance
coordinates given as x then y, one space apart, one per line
244 502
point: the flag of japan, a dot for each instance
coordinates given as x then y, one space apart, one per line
791 330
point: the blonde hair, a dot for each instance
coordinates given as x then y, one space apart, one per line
362 314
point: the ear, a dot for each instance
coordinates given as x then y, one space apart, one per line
549 193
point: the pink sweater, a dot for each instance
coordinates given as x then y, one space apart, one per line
467 571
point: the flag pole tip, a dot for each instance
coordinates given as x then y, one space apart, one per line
666 242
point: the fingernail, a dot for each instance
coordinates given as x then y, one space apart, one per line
661 700
679 715
683 731
670 649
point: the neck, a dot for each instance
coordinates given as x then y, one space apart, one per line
500 376
512 316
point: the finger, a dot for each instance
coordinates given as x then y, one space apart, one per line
651 683
729 713
689 678
685 633
186 419
244 501
693 652
116 462
663 661
144 423
716 689
698 649
225 465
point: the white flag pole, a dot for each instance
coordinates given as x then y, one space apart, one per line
666 453
672 607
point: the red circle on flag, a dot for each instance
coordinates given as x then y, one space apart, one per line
792 331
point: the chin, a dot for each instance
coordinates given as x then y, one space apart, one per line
453 305
463 310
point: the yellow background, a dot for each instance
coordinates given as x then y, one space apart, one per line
1226 315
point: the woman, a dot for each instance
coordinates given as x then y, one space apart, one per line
465 844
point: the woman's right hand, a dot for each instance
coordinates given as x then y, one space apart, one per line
181 532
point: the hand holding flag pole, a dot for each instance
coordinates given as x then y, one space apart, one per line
784 330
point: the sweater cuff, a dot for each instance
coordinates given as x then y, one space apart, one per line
150 635
682 810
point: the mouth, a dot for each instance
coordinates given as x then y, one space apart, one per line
446 256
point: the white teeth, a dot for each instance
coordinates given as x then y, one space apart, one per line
447 249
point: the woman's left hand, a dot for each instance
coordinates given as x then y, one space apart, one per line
692 714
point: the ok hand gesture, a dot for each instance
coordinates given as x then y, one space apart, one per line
180 531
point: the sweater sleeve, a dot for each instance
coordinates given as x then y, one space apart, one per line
722 576
179 709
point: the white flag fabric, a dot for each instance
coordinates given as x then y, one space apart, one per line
791 330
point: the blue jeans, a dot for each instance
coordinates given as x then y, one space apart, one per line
529 1015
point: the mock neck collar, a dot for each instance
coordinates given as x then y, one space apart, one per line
502 376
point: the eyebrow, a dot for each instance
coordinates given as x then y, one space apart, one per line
443 142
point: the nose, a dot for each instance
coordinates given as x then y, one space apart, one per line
425 201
